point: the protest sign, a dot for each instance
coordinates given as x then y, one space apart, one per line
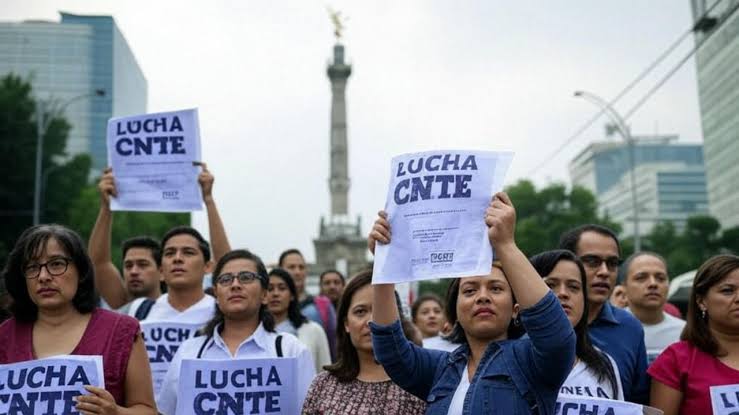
436 205
238 386
578 405
152 158
725 399
48 386
162 340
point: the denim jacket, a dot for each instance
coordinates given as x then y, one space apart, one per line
513 377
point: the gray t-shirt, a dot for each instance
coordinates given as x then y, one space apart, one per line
658 336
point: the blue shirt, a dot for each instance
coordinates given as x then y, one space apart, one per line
620 334
512 377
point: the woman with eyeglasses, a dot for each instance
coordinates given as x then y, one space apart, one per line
492 371
284 307
50 279
241 328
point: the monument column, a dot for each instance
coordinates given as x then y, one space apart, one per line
338 72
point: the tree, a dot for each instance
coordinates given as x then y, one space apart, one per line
18 160
545 214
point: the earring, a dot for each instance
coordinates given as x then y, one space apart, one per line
516 322
703 314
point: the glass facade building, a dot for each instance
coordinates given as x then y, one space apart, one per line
717 63
71 58
670 181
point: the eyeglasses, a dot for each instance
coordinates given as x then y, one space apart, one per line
54 267
244 277
594 261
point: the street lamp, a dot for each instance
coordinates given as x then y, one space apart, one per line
623 129
42 125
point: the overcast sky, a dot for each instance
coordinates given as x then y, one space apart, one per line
426 75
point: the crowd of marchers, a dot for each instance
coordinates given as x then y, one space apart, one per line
575 320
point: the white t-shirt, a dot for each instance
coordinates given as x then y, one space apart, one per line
583 382
438 343
657 337
199 313
455 408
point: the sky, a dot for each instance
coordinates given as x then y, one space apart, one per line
426 74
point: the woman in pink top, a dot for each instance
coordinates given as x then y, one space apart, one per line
54 307
708 354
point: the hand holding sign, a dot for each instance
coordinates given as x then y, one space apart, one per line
205 179
99 401
500 217
106 186
380 232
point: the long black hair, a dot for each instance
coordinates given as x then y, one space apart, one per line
29 247
596 361
293 309
264 315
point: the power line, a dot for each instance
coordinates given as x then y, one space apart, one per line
626 89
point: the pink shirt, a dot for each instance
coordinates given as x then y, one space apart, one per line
108 334
686 368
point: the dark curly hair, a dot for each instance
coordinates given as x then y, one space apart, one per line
29 247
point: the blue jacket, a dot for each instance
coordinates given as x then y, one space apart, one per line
520 376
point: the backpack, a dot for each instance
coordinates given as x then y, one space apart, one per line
144 309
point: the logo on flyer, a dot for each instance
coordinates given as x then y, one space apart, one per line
439 257
171 194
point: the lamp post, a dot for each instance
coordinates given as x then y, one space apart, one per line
625 132
42 125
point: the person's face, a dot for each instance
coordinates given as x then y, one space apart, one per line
722 304
485 306
295 265
47 291
239 300
183 264
596 251
565 282
358 318
647 283
140 272
618 297
279 296
429 318
332 286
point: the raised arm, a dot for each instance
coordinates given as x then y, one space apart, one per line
218 238
108 279
408 365
528 287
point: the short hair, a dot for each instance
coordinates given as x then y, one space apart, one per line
293 308
571 238
188 230
28 248
544 263
696 329
623 271
422 299
457 335
264 315
331 271
145 242
287 252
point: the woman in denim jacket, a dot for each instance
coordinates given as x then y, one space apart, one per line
489 373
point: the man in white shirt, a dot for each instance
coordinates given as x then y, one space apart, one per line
646 282
185 301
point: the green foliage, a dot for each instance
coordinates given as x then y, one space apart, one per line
438 287
543 215
701 239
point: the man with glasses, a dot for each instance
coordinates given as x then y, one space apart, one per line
613 330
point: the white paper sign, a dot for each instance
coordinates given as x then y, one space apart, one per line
238 386
436 205
725 399
48 386
152 157
162 341
577 405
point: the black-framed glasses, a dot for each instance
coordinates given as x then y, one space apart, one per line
243 277
54 267
595 261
